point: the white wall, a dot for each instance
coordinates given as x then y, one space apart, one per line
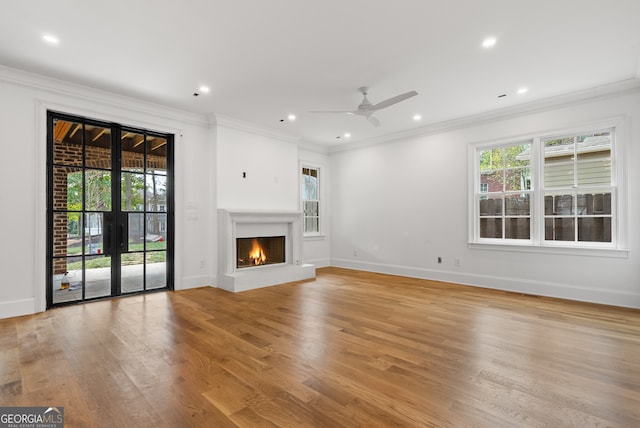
397 206
24 100
272 181
270 166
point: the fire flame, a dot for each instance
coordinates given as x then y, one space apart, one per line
257 254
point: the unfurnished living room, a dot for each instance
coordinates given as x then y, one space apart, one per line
320 214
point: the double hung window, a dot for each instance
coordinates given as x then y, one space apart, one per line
311 200
551 190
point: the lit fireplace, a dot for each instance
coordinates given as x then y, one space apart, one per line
278 233
258 251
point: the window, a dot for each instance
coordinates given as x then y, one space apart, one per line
505 175
578 187
547 190
311 199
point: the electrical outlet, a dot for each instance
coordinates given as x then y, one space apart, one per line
439 259
201 264
456 262
355 253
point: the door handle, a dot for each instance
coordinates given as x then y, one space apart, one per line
107 241
121 236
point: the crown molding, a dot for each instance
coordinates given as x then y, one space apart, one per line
614 89
241 125
73 90
313 147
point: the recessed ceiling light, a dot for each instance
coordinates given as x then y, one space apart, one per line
523 90
347 135
204 89
417 117
489 42
51 39
291 117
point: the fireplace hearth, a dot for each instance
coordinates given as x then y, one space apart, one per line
276 258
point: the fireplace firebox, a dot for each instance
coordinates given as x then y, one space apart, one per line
258 251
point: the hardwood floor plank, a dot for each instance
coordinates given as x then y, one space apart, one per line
348 349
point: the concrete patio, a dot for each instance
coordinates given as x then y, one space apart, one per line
98 282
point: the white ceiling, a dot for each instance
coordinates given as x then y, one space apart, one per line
265 59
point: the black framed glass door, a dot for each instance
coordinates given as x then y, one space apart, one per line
110 210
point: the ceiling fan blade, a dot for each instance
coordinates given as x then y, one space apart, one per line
373 120
331 111
394 100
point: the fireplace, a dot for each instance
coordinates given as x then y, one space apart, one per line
258 251
278 257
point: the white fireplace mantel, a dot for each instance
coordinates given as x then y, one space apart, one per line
234 224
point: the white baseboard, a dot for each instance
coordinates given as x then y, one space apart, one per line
195 282
319 263
518 285
17 308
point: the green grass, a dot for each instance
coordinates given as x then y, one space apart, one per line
127 259
76 250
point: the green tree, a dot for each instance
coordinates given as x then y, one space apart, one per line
511 162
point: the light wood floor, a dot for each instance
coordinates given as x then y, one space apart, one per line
348 349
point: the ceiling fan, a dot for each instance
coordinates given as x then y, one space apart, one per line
366 109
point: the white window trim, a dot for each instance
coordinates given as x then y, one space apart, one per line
320 232
617 248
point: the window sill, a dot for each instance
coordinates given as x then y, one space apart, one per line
314 237
549 249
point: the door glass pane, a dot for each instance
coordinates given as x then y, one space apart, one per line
156 236
67 143
132 151
67 234
93 233
132 191
156 262
97 276
156 192
132 272
67 188
156 155
67 279
97 147
97 190
135 224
